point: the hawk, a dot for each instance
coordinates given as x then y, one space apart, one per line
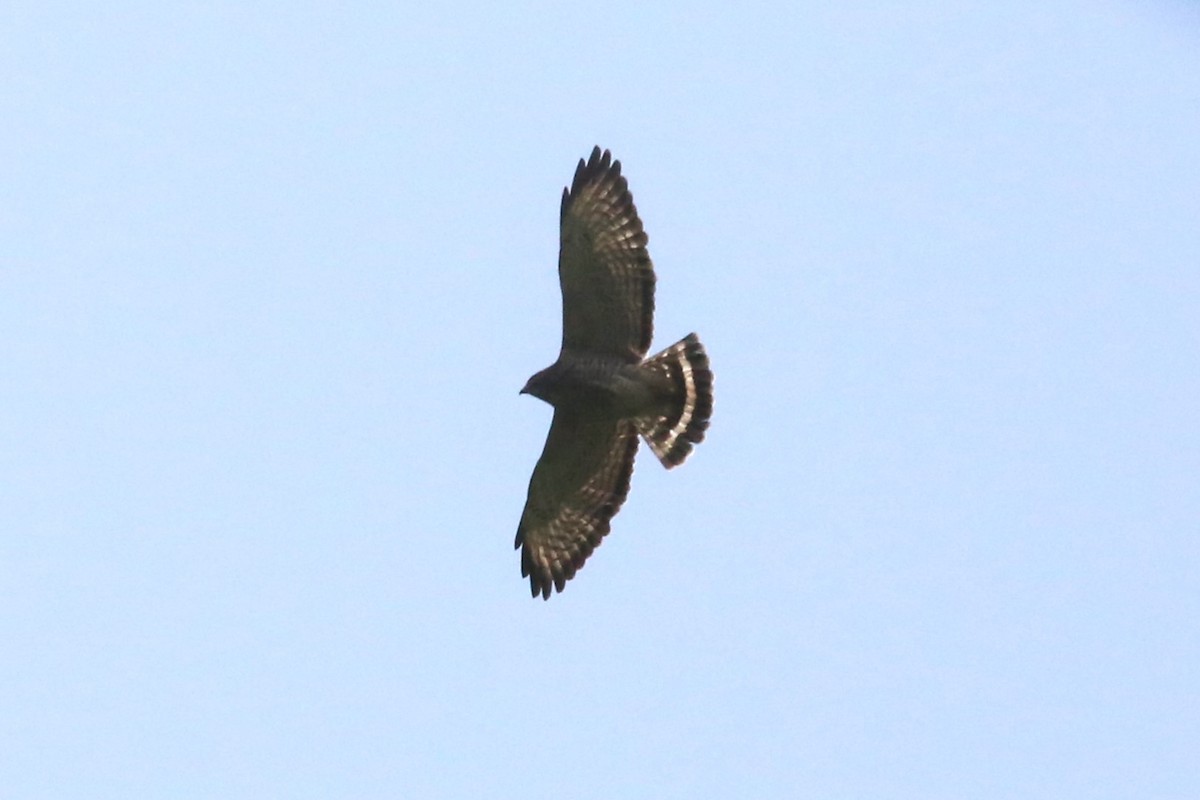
604 391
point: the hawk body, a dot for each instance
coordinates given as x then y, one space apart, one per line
600 388
604 391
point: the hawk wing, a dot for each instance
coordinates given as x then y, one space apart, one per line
579 483
603 266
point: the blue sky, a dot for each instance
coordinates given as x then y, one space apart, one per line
272 275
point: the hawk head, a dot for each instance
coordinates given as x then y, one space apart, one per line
543 385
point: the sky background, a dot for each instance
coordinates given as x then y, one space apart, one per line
272 275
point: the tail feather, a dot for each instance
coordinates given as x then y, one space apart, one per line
673 433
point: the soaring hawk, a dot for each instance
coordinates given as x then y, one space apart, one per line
603 389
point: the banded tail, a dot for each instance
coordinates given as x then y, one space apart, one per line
672 435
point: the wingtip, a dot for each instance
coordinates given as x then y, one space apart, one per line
537 587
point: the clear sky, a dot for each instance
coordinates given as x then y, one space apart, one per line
272 275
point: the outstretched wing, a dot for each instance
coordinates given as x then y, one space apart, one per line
603 266
579 483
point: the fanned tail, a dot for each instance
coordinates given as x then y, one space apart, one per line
673 434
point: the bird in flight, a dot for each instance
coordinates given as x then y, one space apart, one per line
604 390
